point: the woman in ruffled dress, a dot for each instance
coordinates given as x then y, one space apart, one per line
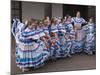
90 37
29 49
78 21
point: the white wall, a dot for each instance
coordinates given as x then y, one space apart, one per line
57 10
37 10
32 10
80 2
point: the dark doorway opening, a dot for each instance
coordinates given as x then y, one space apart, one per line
86 11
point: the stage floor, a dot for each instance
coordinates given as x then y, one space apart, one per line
76 62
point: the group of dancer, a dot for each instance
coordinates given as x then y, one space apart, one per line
40 40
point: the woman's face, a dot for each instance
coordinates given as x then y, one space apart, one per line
47 18
32 26
55 22
69 19
58 21
78 14
46 23
90 20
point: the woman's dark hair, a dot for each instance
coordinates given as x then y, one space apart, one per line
52 20
91 18
67 16
30 21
